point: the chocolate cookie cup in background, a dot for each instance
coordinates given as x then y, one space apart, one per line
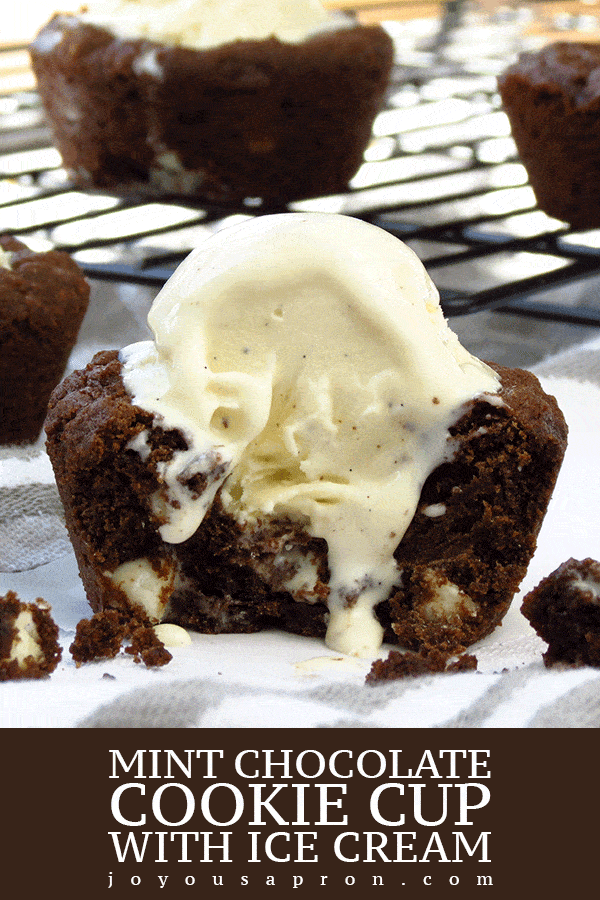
249 119
43 299
552 100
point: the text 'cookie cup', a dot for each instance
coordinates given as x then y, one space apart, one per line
305 445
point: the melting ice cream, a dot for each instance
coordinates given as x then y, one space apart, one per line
308 353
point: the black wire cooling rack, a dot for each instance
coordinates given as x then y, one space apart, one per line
441 173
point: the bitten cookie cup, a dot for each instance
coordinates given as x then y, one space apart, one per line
305 445
43 299
552 100
249 119
462 558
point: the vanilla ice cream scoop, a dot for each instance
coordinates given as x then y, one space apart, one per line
306 359
202 24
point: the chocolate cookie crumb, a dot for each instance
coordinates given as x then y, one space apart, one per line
564 610
412 665
29 645
100 637
465 663
147 647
